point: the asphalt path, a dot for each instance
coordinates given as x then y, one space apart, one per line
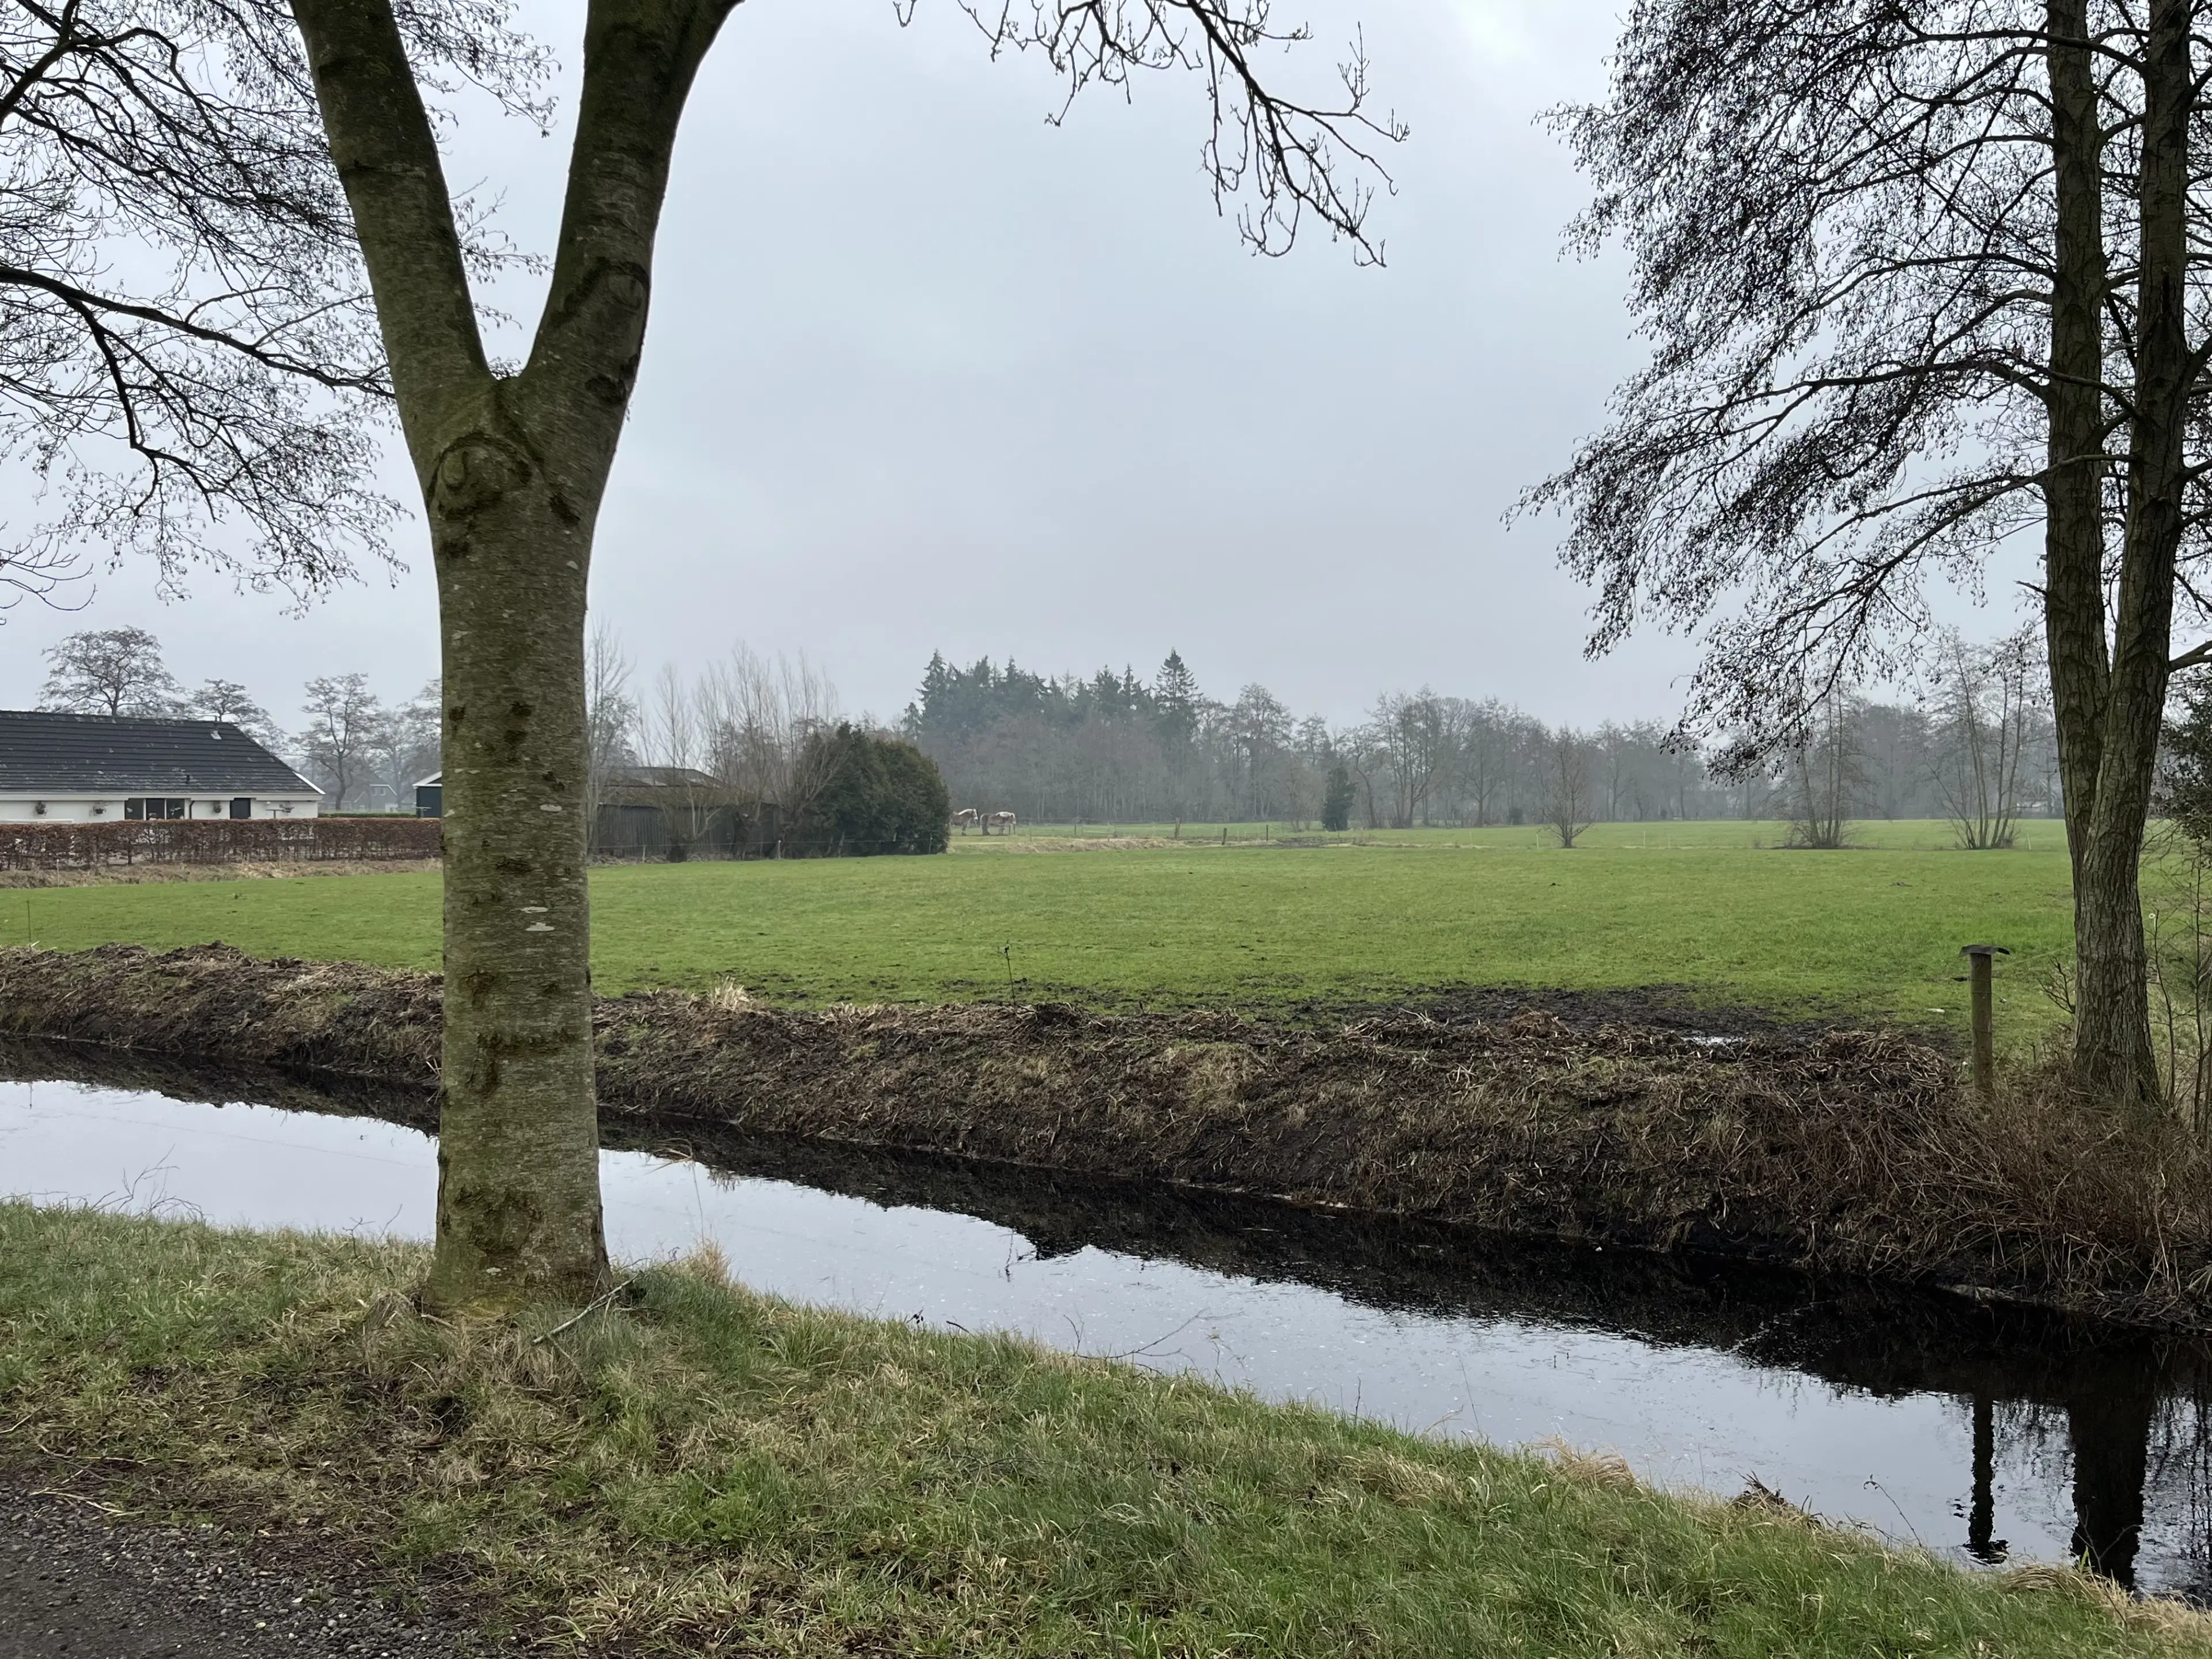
80 1582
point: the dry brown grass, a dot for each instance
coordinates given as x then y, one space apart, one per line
1607 1470
1087 843
1852 1152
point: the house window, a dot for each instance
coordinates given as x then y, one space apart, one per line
241 806
154 806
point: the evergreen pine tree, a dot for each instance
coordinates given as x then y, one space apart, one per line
1174 695
1336 801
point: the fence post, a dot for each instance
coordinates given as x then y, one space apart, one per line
1984 1013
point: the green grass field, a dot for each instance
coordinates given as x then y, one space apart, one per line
708 1471
1719 908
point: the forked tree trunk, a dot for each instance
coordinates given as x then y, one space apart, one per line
512 469
2109 680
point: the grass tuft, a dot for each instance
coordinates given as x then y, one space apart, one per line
706 1471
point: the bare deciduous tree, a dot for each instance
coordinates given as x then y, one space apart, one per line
758 715
1406 742
678 732
230 703
1822 777
611 717
1987 702
1918 279
346 723
403 750
1568 803
1259 729
110 670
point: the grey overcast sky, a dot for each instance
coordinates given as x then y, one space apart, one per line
925 371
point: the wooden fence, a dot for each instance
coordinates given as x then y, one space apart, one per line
215 841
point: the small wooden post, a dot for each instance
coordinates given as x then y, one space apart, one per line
1984 1006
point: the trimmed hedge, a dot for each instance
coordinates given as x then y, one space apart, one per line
215 841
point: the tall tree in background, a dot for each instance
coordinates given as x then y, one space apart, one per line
1337 799
347 724
1988 698
1917 279
110 670
1569 795
513 466
610 719
1404 740
1824 777
227 701
1176 699
403 750
230 703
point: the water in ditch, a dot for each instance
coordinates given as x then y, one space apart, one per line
1990 1434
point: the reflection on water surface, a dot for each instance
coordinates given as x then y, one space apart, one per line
1988 1433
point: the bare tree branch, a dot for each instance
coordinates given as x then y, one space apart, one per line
1286 158
188 355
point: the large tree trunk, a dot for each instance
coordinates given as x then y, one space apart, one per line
512 469
2109 697
517 1142
2113 1052
2073 485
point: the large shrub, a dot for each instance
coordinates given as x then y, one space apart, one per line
873 795
1336 805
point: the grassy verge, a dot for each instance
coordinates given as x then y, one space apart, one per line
708 1472
1873 932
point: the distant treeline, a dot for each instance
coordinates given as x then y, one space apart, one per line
1115 749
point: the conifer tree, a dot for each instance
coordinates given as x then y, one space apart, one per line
1336 802
1176 698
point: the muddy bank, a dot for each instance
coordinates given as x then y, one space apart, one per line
1850 1151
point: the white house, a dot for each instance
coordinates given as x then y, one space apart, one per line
94 769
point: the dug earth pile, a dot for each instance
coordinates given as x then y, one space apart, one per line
1847 1152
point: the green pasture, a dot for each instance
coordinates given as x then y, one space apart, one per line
1720 908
